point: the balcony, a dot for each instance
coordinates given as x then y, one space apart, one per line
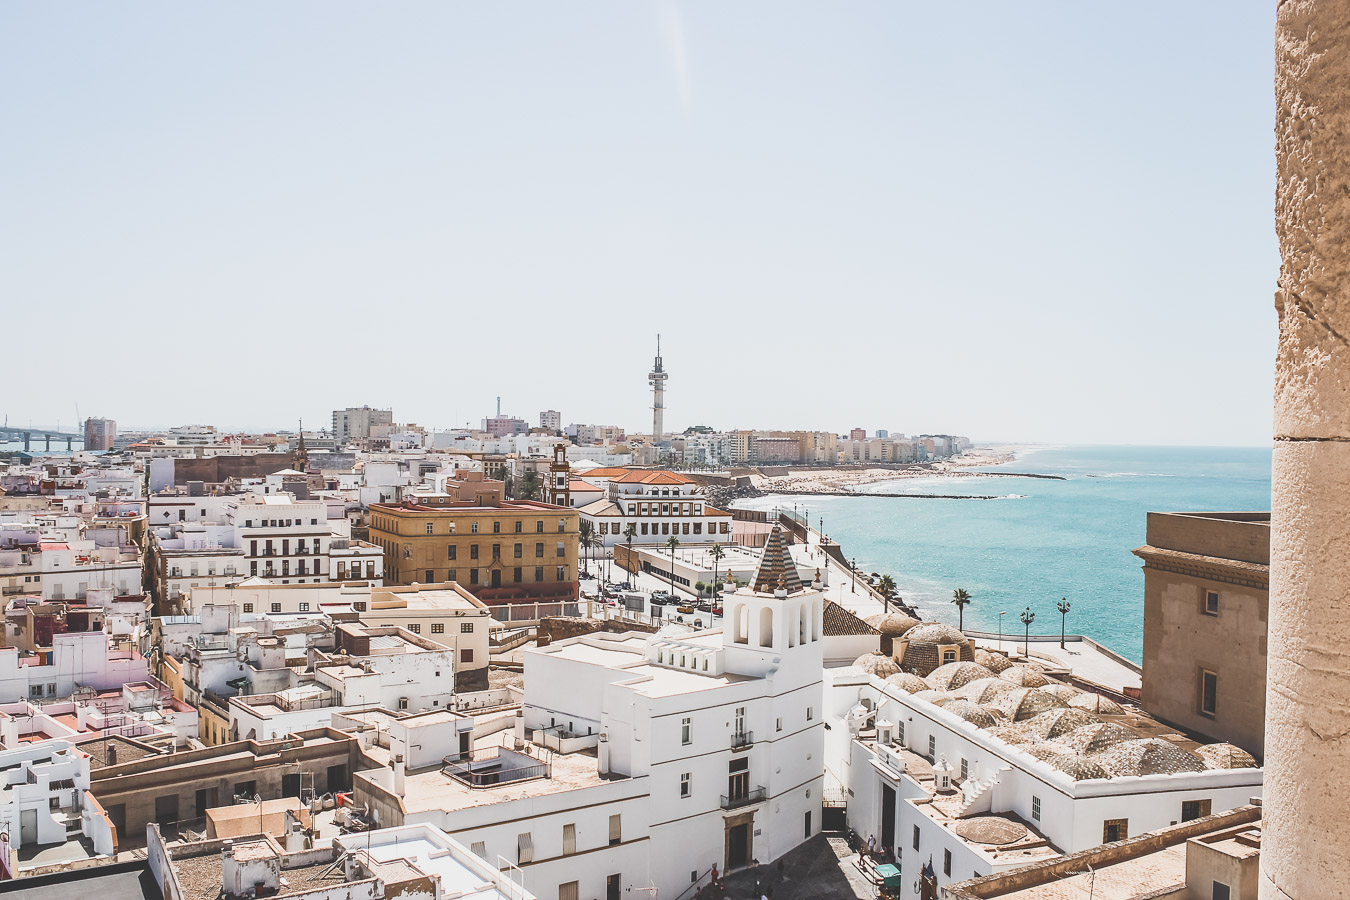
736 801
742 739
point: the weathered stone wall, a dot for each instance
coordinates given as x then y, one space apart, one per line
1308 685
560 628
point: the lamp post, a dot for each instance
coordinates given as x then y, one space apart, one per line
853 588
1027 618
1063 607
1000 630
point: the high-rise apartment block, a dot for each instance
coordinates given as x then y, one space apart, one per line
99 434
355 423
550 420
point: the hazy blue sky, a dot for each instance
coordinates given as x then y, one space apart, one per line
1033 221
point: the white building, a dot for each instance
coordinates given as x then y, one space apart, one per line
659 504
707 751
67 570
977 788
45 800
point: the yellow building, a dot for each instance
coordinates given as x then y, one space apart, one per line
515 550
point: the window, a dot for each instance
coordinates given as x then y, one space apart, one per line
615 830
686 785
1036 808
1115 830
1220 891
473 527
946 862
496 527
518 526
562 549
248 607
562 525
429 528
496 551
1211 603
517 574
466 655
466 628
932 748
276 607
438 628
359 605
900 734
538 551
414 628
780 724
1194 809
1209 693
810 713
562 573
568 891
473 576
479 849
304 606
686 731
965 771
916 837
524 848
948 656
450 552
518 551
451 574
430 573
538 573
473 551
569 840
539 526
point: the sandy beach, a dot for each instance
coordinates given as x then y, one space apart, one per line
842 480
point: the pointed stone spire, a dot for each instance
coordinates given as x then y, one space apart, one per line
302 455
776 569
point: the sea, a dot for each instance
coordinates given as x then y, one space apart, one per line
1042 540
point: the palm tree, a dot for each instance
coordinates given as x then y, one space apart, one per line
673 543
586 537
960 597
630 532
886 588
716 552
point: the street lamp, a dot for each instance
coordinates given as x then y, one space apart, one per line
853 588
1027 618
1000 630
1063 607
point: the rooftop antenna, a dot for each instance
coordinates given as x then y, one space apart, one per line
499 407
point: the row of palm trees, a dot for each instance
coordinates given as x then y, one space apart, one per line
960 597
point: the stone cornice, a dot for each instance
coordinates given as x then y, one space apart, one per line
1211 568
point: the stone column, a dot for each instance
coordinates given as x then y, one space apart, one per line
1307 751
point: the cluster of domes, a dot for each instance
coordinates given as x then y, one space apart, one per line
1016 702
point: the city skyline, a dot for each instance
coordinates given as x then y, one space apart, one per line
829 218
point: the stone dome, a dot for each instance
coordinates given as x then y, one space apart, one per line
1016 735
1055 722
971 712
891 624
935 633
1097 704
1065 692
936 697
1097 738
1024 675
984 690
1150 756
1079 768
908 682
956 675
1021 704
996 662
878 664
1225 756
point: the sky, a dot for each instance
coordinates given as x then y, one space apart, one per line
1040 222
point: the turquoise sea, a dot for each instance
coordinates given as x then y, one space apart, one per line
1044 539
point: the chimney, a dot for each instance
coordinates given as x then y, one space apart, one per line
602 755
111 754
400 785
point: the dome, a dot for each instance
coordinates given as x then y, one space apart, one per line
994 830
1225 756
935 633
936 697
891 624
984 690
997 662
878 664
1016 735
1098 738
1021 704
1096 703
1024 675
1044 752
1065 692
908 682
972 713
956 675
1150 756
1077 767
1054 722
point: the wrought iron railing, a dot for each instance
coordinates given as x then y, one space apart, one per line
741 739
743 799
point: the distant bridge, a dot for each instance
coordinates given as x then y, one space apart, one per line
27 434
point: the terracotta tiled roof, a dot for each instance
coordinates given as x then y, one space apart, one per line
660 476
840 622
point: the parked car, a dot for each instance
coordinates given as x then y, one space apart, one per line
661 598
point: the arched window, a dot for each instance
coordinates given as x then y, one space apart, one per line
766 627
815 621
741 634
803 627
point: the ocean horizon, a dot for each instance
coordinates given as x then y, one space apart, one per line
1042 539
